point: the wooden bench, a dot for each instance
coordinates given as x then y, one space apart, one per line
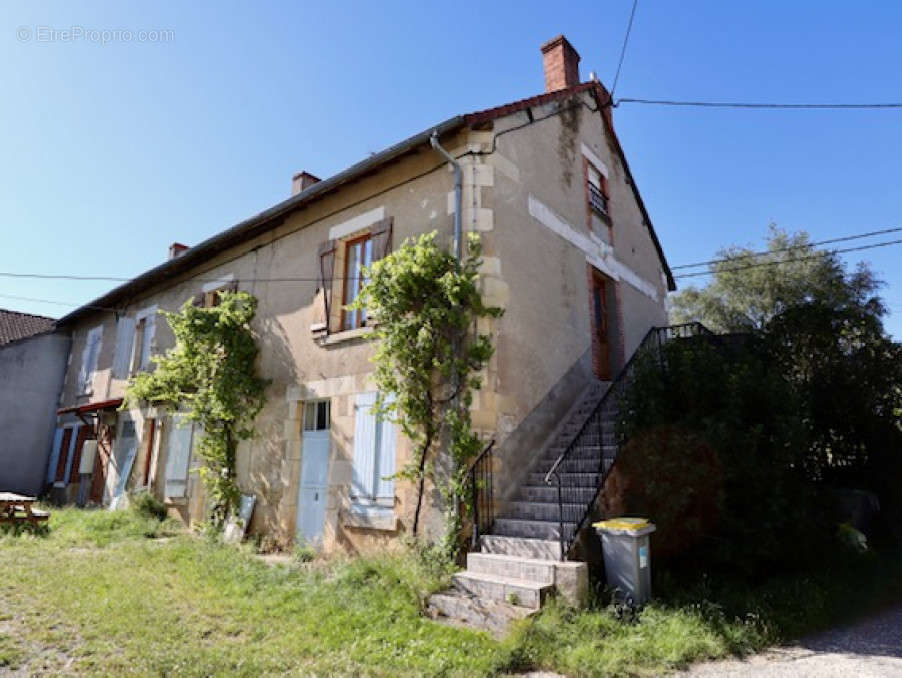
16 509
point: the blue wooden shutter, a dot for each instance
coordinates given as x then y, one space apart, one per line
385 483
54 455
362 485
125 334
150 325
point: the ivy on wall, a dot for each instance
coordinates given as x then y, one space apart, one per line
211 375
426 303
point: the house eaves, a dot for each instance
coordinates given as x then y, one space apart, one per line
272 217
256 225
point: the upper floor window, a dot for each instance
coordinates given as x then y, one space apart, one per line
145 328
134 342
212 293
341 264
358 255
597 189
89 357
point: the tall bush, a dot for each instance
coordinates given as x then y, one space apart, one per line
426 305
211 374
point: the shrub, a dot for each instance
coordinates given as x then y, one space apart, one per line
148 506
730 398
673 477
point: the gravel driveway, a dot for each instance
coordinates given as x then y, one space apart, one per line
870 648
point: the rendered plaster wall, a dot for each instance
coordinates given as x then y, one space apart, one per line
31 374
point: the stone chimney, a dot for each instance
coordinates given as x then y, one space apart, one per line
301 181
176 250
561 64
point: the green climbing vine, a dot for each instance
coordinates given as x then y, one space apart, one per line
211 375
426 304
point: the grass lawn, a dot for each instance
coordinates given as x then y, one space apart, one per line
119 592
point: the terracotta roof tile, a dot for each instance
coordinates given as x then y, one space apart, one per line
500 111
15 325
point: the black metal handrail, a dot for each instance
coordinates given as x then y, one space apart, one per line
481 493
575 508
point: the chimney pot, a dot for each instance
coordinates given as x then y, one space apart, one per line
176 250
301 181
561 64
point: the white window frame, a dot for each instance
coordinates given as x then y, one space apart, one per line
142 351
314 405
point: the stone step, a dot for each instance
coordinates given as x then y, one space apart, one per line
458 607
531 529
567 479
590 447
578 464
546 511
543 549
574 467
548 493
535 570
510 590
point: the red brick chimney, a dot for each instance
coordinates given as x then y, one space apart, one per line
176 250
561 63
301 181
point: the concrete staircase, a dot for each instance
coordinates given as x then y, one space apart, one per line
519 564
533 513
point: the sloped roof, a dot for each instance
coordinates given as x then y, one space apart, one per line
275 215
15 325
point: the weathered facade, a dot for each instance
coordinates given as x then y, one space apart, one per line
31 373
569 252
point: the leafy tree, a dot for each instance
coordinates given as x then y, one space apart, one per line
748 290
425 304
808 399
211 374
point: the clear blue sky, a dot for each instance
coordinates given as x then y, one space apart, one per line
113 151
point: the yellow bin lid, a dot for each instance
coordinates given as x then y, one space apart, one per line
628 524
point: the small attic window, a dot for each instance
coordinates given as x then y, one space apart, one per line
597 190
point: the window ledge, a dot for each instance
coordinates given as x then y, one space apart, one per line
176 501
345 335
370 517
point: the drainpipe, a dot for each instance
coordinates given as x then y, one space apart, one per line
458 253
458 180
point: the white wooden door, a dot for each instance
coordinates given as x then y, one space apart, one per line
314 481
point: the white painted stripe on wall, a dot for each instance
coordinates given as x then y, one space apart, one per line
598 253
595 160
356 223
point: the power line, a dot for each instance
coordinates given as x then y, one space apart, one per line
789 261
57 303
738 104
626 38
792 247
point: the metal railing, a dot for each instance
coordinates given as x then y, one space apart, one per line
598 200
481 494
586 456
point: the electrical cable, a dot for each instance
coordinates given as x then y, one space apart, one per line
788 261
788 249
626 37
738 104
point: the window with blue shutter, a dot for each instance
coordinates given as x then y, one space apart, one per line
374 455
178 457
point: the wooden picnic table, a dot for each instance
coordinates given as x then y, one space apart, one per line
17 508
